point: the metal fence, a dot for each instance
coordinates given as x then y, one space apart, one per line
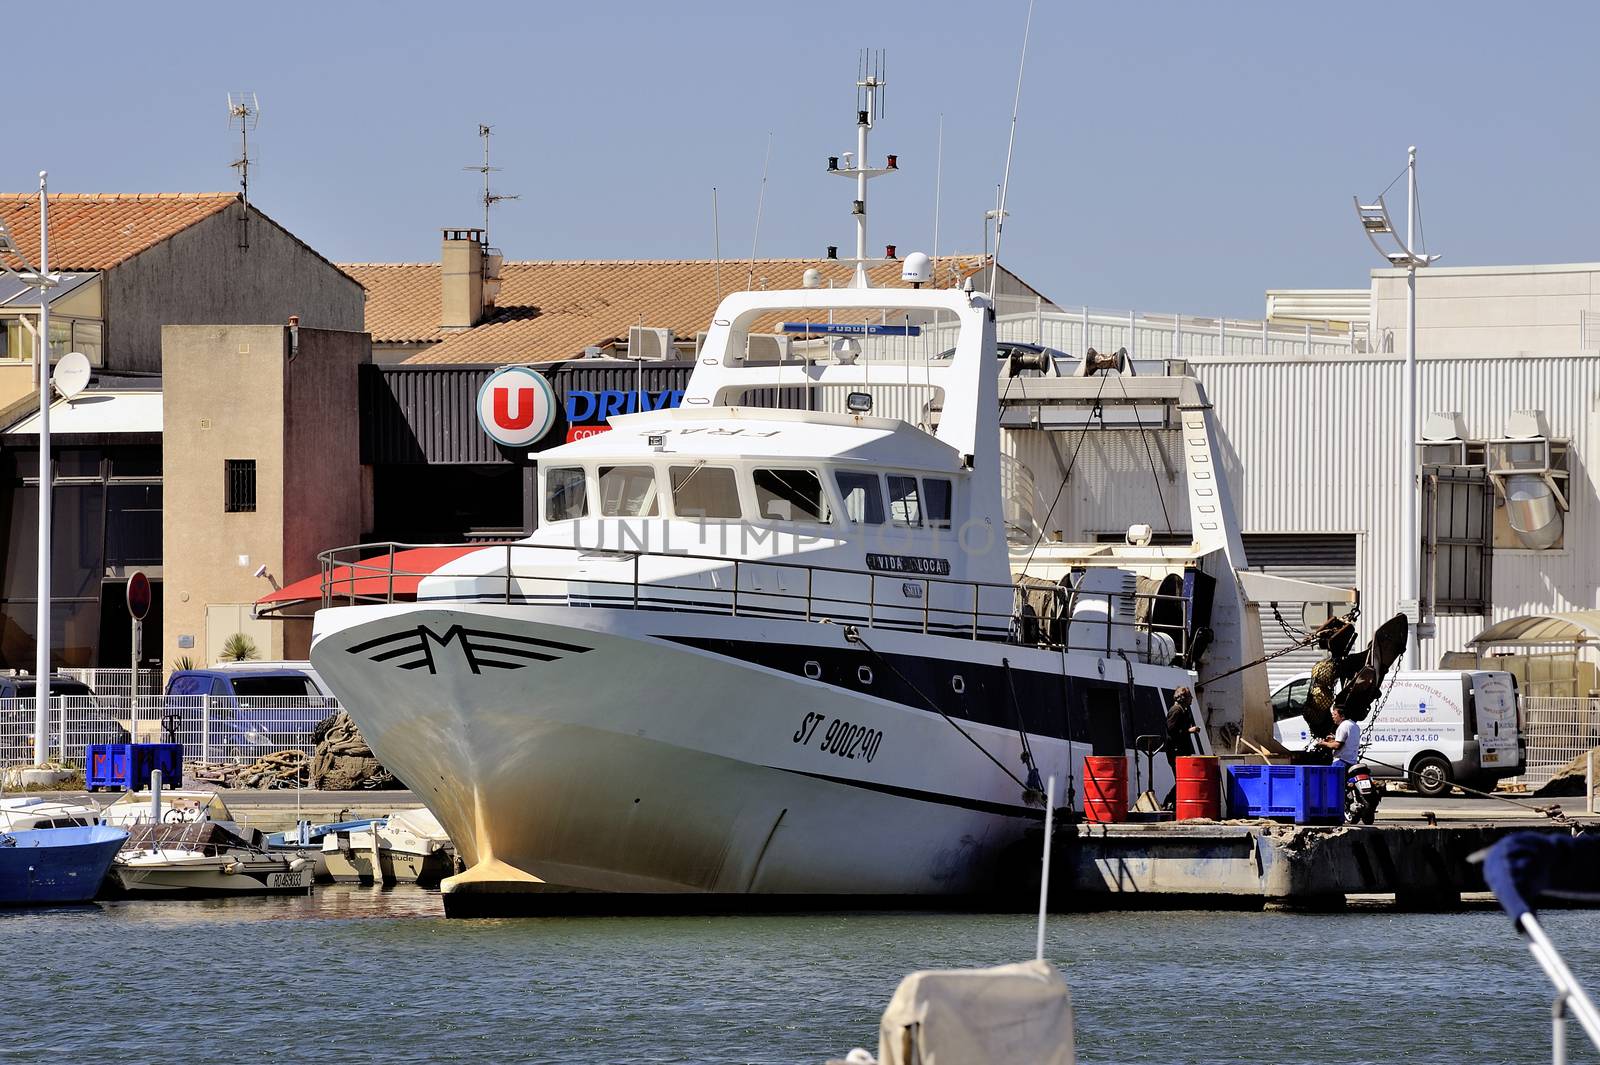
1557 730
211 728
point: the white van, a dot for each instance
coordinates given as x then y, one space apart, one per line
1436 728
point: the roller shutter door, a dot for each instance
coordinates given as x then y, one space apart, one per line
1323 558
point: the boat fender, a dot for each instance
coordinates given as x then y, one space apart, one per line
296 864
231 868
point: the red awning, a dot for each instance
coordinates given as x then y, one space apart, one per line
370 577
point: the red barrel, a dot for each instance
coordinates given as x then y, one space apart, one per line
1199 788
1105 788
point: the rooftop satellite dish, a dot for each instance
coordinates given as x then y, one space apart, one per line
71 374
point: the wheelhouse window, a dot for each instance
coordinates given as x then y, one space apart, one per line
628 492
862 497
705 492
565 494
905 507
936 494
791 495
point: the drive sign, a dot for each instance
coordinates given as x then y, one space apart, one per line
516 406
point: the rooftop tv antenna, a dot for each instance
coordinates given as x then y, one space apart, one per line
489 198
871 78
244 114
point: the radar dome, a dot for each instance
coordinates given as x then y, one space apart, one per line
917 269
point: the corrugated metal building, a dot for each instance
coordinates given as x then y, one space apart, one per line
1313 455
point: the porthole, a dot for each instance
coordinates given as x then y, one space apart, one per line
813 670
864 674
958 684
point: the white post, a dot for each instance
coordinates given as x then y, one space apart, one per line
41 716
1266 343
1133 332
1177 336
1222 336
1044 873
1308 340
155 792
133 677
205 729
863 123
1085 329
1038 320
1409 582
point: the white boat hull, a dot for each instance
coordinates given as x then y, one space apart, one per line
174 873
641 765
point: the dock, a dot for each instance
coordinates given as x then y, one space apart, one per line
1265 864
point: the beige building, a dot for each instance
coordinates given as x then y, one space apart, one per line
1500 310
261 462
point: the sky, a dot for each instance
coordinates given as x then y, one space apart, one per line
1169 156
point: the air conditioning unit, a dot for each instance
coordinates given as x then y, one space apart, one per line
647 343
767 348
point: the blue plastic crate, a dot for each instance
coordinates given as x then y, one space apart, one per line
128 765
1304 794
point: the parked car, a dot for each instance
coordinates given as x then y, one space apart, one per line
87 720
251 708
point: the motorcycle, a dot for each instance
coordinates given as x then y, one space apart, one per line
1361 795
1361 792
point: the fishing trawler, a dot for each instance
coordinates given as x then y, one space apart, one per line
775 651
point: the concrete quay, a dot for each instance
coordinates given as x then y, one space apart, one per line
1252 864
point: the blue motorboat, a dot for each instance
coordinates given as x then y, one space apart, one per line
52 866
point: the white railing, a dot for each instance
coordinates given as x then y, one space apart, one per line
1148 336
1557 730
1165 336
111 685
212 728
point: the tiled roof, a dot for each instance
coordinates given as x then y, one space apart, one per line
96 231
552 310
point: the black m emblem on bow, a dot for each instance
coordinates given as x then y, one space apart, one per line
483 648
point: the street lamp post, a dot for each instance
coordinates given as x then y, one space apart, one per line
40 279
1375 221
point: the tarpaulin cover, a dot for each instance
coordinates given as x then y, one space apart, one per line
1010 1013
1525 867
370 577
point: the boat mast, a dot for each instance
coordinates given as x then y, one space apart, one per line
870 83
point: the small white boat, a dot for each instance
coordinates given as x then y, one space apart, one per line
29 812
186 843
203 858
404 848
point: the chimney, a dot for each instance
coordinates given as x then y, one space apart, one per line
461 279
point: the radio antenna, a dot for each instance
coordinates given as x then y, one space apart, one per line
761 200
489 198
938 192
716 240
1005 181
244 114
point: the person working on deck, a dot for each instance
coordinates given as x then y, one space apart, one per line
1345 743
1180 727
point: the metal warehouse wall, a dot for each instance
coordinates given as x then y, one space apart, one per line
428 414
1312 446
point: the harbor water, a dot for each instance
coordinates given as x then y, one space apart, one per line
365 975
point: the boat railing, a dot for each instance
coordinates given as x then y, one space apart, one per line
1148 626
